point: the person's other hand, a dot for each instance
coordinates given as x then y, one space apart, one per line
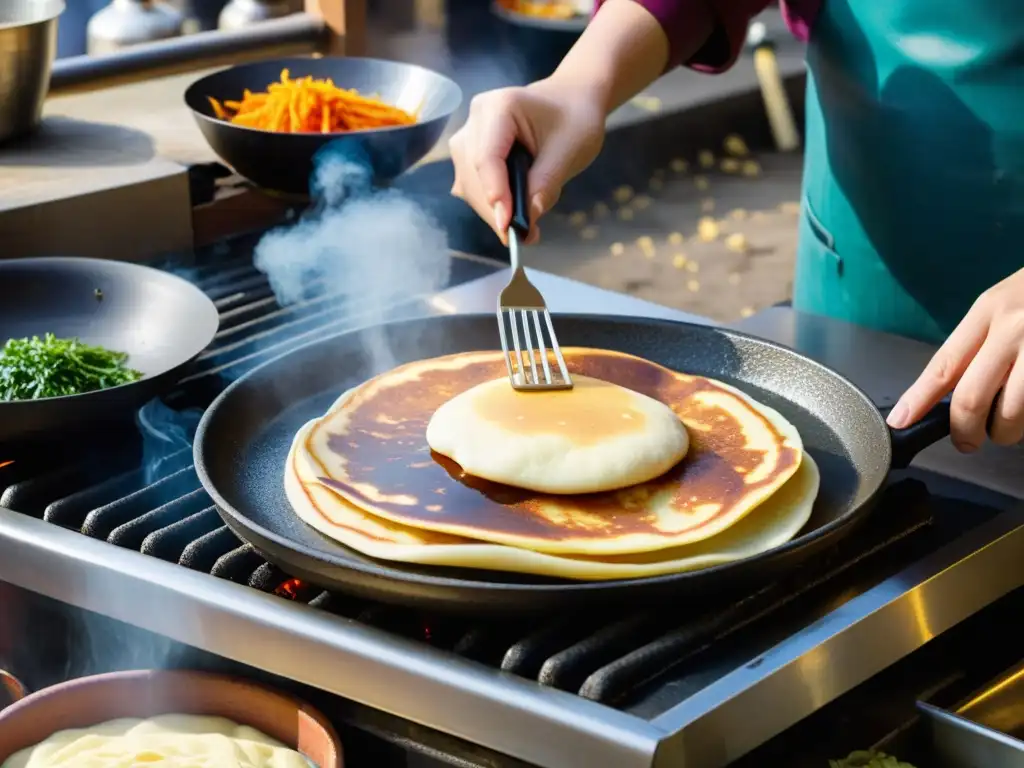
562 127
983 355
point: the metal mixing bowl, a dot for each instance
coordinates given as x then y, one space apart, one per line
285 162
28 46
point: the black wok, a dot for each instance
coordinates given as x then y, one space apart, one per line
161 321
244 437
285 161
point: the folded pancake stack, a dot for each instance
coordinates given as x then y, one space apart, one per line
637 471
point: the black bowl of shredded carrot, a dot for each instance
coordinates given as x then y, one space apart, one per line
270 120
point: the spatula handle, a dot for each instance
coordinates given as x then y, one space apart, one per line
519 162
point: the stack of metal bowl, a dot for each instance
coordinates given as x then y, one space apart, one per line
28 47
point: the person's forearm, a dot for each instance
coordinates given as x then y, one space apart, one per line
624 49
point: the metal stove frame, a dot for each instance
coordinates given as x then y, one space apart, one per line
525 720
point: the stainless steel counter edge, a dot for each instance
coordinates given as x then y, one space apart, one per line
542 726
495 710
843 649
563 295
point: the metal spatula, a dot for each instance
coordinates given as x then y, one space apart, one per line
520 305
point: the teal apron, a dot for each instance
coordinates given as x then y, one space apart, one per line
913 199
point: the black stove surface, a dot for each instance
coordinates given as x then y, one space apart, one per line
135 487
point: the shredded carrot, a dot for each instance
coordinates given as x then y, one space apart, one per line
306 105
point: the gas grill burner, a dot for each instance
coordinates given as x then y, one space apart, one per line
161 510
136 488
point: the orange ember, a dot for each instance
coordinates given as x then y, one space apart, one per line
290 589
6 463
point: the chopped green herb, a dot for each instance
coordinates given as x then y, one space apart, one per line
868 759
31 369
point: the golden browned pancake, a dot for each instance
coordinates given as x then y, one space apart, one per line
772 524
371 449
597 436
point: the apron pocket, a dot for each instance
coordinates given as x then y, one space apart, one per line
818 285
814 228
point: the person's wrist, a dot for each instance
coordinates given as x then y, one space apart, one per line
591 86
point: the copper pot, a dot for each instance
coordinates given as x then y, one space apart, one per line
88 701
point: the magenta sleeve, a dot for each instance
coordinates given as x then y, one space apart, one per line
683 19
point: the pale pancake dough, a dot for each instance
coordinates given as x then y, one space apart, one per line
174 741
595 437
371 449
772 524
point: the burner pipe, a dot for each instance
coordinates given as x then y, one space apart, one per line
333 27
289 36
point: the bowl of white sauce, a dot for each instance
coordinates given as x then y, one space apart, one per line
168 717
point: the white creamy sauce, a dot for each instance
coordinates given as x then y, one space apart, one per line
166 741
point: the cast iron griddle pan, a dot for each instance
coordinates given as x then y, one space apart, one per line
244 438
162 321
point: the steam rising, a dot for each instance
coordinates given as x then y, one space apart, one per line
165 433
371 247
368 247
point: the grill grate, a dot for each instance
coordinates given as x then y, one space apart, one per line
161 510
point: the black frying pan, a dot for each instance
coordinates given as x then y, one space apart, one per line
161 321
285 161
244 437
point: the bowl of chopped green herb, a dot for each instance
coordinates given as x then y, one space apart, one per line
88 341
38 368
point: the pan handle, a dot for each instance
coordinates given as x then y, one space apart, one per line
934 426
908 442
12 689
519 161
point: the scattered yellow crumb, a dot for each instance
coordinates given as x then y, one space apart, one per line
601 210
692 286
737 242
731 165
588 233
646 246
692 266
578 219
675 238
746 312
641 202
751 168
625 213
679 261
678 165
707 229
739 214
758 216
701 182
617 249
706 158
647 103
623 195
735 145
